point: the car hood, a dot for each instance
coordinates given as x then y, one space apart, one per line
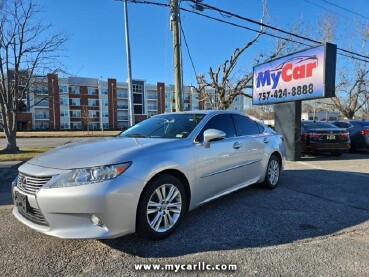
90 153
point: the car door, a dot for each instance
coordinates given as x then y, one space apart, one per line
221 166
253 145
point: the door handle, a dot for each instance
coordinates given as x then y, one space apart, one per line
237 145
266 140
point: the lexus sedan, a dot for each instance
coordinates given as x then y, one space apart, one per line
319 136
358 130
147 178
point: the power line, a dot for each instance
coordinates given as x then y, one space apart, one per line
353 54
278 29
328 10
188 50
345 9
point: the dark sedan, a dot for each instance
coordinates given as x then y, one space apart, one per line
359 132
318 137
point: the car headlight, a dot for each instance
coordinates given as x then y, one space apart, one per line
85 176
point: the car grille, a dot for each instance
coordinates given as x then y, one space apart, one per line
34 215
31 184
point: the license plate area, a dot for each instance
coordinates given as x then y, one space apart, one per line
331 137
21 201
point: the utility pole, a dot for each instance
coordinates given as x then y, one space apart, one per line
175 21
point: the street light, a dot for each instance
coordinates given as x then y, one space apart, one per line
129 67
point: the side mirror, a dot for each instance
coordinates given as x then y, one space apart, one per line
212 134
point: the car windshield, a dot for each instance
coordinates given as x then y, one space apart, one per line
363 123
318 125
165 126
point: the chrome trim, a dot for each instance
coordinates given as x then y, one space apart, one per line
253 181
231 168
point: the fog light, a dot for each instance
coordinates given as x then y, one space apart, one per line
96 220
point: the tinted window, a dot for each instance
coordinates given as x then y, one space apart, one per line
342 124
221 122
245 126
317 125
360 123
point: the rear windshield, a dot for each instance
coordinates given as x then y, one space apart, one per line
361 123
318 125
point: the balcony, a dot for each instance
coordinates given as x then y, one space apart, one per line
42 117
152 108
122 107
43 104
122 96
121 117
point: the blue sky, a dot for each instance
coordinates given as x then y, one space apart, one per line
97 47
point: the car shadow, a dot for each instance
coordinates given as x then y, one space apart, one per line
307 204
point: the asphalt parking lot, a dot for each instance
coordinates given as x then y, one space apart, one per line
316 223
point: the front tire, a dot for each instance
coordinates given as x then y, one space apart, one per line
272 173
161 208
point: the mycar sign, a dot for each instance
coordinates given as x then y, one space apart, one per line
307 74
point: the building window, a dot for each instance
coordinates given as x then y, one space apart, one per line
64 113
64 126
104 103
93 102
137 88
63 101
105 114
40 90
104 90
76 125
92 91
106 125
75 89
76 102
93 114
63 89
75 114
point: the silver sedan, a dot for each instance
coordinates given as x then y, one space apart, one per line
146 179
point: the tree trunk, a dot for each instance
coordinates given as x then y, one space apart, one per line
10 130
11 147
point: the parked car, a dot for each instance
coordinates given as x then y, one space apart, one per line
147 178
319 136
359 132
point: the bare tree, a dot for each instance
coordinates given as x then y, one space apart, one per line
86 118
352 88
27 48
225 84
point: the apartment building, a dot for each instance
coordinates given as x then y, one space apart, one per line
88 103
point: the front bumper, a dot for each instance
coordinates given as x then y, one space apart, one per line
67 211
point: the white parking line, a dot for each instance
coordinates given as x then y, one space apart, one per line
342 171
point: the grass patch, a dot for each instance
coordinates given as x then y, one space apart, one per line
24 154
56 134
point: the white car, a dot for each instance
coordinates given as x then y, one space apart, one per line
146 179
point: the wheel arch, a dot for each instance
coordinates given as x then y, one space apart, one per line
180 176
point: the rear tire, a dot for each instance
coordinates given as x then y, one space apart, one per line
272 173
161 208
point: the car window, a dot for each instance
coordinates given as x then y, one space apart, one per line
222 122
342 124
245 126
165 126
